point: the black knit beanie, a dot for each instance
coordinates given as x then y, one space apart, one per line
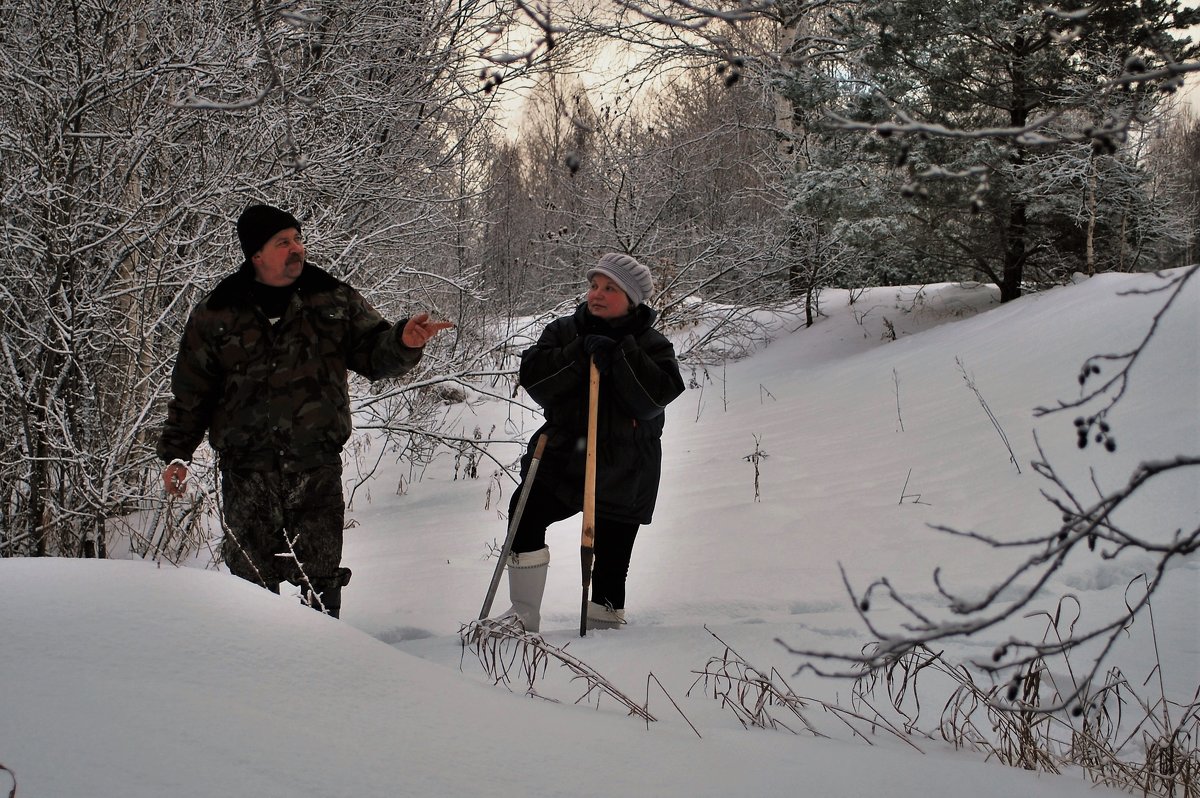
258 223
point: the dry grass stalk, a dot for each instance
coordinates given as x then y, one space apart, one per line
1016 734
651 677
750 694
506 650
1122 739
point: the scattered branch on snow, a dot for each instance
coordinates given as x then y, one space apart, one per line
970 380
755 458
904 494
896 383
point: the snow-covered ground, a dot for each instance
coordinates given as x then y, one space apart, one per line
130 678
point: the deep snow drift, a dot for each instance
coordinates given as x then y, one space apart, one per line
130 678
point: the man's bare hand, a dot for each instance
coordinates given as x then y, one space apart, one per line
419 329
175 479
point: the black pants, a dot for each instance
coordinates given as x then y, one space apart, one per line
613 546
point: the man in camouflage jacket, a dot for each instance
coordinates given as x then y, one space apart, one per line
262 368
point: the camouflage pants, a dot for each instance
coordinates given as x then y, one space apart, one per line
284 526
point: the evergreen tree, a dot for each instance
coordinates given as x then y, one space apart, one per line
981 104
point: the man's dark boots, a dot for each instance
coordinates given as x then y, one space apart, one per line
325 594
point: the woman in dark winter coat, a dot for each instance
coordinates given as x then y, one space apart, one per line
639 377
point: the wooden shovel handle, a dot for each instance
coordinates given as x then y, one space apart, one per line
589 470
588 542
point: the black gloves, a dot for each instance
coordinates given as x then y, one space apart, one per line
601 348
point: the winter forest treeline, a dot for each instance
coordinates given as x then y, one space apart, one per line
752 153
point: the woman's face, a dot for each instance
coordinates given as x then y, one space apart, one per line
605 299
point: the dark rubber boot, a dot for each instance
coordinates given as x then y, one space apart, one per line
325 594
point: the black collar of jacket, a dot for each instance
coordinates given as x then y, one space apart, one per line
234 290
640 320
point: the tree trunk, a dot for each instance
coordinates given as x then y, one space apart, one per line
1014 252
1091 227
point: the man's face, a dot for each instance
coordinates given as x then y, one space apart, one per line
281 259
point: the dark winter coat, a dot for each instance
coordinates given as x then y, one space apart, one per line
643 380
276 395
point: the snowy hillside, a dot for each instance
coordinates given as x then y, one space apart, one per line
124 678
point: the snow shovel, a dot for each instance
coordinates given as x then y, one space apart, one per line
588 542
512 526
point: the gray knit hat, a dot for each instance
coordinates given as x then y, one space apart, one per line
625 271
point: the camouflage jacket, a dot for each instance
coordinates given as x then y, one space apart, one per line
276 395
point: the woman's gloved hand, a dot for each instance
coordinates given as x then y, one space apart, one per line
601 349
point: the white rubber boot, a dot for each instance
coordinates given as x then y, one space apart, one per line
602 617
526 584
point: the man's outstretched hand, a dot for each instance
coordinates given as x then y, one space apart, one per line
419 329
